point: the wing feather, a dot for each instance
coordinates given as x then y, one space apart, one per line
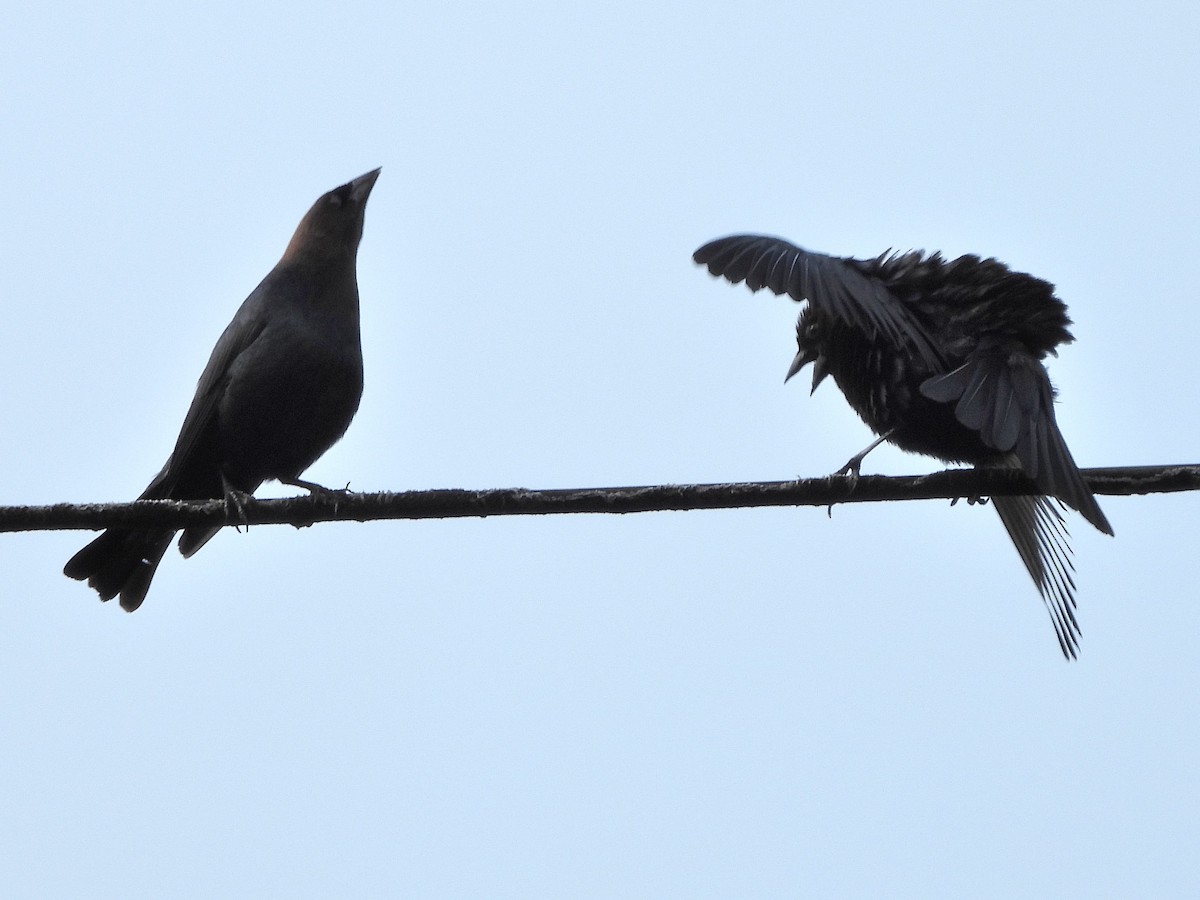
1006 396
830 284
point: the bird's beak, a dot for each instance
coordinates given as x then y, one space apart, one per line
803 358
360 187
820 370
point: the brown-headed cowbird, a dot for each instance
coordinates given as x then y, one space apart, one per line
280 388
941 358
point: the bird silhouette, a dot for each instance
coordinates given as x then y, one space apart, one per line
280 388
942 358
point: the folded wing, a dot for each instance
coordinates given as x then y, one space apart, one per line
1004 393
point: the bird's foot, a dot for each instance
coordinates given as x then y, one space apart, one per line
235 507
971 501
319 490
851 473
313 488
854 464
853 467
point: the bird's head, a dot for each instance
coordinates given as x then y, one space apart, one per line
810 341
334 224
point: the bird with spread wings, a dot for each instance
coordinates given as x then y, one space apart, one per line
942 358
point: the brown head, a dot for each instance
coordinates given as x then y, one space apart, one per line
333 226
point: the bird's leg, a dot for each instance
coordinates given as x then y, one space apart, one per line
235 500
855 463
852 467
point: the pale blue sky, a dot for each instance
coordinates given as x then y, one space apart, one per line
751 703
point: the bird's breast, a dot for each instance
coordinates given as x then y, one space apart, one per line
883 385
289 397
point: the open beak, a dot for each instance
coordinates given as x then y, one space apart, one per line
803 358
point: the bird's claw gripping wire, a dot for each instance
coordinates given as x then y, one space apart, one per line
853 469
235 505
319 490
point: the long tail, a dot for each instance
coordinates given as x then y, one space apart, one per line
1040 535
121 561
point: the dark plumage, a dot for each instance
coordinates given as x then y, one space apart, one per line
941 358
280 388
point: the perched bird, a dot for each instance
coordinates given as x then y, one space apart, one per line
280 388
943 358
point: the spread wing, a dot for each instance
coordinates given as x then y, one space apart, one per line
1004 393
831 285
